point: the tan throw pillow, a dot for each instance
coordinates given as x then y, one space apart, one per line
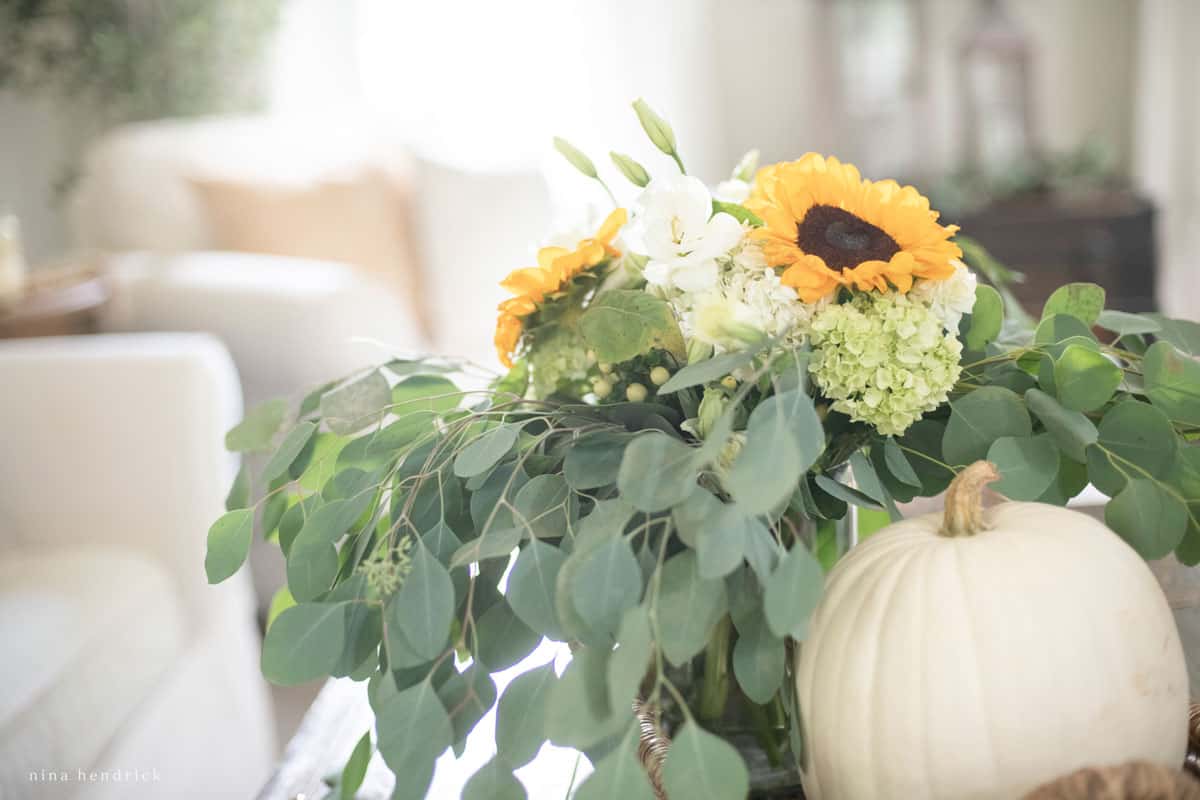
359 220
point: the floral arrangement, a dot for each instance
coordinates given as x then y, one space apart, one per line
698 389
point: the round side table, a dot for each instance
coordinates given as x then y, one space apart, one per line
56 302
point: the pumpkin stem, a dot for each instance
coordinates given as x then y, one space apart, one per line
964 500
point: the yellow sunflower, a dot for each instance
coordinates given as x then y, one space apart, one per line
831 228
555 268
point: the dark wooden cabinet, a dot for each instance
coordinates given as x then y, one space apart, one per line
1104 238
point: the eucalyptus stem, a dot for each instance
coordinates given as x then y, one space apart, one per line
714 690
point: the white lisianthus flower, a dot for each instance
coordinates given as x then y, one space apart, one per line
948 299
681 235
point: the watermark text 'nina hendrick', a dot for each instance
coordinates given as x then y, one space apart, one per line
95 776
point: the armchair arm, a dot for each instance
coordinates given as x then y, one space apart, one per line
118 439
289 323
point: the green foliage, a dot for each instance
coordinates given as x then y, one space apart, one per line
1172 383
228 544
625 323
651 548
987 318
256 431
1084 301
493 781
701 766
122 60
978 419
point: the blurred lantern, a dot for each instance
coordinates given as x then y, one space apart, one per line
995 65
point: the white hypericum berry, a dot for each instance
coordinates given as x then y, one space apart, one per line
659 376
602 388
636 393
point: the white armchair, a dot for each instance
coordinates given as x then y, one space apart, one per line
124 674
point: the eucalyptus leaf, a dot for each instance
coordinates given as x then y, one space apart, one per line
847 494
1027 466
898 464
1084 301
606 584
721 540
594 461
424 606
485 451
1182 333
239 492
545 506
258 428
710 369
521 715
1059 327
792 592
979 418
1127 324
1148 517
656 472
414 731
620 774
1173 383
628 664
494 544
304 643
1131 432
688 607
493 781
355 405
987 318
1084 379
289 449
759 658
503 638
228 544
701 766
1072 430
531 587
356 768
467 696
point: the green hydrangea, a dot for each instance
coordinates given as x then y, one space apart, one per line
883 359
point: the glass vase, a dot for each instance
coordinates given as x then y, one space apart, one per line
761 733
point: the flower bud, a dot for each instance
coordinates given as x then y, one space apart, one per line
656 127
659 376
634 172
578 160
636 393
698 351
712 406
729 382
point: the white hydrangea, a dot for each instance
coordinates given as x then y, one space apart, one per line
746 303
949 299
884 359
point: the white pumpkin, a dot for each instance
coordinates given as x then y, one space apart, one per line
981 654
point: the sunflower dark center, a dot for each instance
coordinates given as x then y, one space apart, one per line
841 239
